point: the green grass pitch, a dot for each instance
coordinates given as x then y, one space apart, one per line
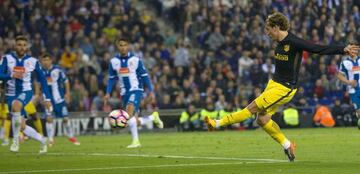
321 150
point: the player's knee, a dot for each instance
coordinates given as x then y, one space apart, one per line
262 120
16 106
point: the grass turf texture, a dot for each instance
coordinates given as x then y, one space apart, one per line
318 151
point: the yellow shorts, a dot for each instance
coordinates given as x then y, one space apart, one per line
274 95
29 109
4 110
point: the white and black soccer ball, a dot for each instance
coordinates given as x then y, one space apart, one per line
118 118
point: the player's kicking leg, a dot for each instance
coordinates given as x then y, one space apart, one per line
264 120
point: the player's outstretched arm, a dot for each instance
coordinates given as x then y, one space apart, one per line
318 49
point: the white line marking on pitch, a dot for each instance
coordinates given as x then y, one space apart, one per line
169 156
130 167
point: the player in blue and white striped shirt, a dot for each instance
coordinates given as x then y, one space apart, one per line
349 73
16 69
59 88
131 74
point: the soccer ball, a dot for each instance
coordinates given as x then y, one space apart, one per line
118 118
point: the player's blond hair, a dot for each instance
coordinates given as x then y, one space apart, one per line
278 19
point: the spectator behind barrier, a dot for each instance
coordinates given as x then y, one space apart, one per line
323 117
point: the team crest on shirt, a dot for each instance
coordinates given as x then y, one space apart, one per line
131 64
28 64
286 48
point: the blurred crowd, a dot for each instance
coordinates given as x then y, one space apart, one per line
215 54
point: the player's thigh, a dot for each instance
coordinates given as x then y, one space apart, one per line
272 98
133 99
24 98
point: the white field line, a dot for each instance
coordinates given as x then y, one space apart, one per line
167 156
130 167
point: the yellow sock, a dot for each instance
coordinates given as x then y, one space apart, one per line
38 126
274 131
235 117
7 125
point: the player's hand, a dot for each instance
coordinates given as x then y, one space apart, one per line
106 99
67 97
353 83
17 75
352 49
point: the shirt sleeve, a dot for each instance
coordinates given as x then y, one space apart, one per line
4 75
41 78
318 49
63 76
141 70
112 79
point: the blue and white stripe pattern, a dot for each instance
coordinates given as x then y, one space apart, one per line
351 69
10 63
130 72
56 79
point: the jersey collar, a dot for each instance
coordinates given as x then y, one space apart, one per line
352 60
124 57
17 58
